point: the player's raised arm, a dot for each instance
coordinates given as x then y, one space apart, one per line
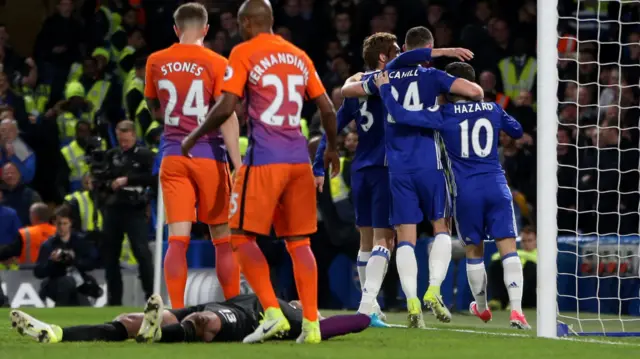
410 58
510 125
467 89
417 56
431 118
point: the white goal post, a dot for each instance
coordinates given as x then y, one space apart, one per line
547 184
588 127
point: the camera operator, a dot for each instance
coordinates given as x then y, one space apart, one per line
63 262
127 176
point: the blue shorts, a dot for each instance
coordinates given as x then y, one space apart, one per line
420 195
370 195
484 212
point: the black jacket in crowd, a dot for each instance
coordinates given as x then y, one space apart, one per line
136 164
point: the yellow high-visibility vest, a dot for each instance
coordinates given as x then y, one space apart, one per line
127 51
86 207
116 52
513 84
67 126
135 84
339 188
112 26
97 94
127 79
74 155
35 101
75 72
142 107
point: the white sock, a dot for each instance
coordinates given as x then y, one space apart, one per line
439 259
477 277
376 269
513 280
407 269
361 263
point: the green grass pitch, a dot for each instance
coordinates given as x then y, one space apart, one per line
464 337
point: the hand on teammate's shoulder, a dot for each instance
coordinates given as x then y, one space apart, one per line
381 78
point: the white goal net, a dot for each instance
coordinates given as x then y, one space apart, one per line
598 154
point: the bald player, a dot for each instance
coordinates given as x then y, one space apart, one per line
183 81
275 185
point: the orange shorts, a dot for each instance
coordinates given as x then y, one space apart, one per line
188 183
280 194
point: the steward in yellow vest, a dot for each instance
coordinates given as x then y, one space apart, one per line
75 108
87 216
518 73
74 155
104 92
105 24
134 88
126 58
118 39
77 69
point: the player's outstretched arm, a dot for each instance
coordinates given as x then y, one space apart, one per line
409 58
467 89
230 130
220 113
354 87
328 116
417 56
511 126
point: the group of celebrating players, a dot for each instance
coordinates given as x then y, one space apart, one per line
411 153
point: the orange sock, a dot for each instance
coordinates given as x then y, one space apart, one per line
305 272
175 270
255 269
227 267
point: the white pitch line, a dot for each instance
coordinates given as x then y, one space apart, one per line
583 340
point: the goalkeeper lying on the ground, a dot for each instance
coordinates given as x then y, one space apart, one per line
228 321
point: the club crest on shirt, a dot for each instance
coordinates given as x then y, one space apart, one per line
228 73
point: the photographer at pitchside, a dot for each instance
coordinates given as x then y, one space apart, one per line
63 263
